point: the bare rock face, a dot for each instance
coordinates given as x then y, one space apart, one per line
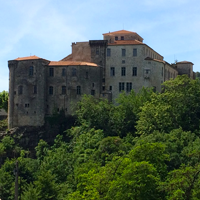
28 137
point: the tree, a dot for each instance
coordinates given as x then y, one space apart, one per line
4 100
114 120
178 106
139 181
30 192
154 153
183 183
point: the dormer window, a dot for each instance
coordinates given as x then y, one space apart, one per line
122 37
116 37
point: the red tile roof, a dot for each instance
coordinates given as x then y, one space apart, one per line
149 58
119 32
123 42
65 63
184 62
28 58
67 58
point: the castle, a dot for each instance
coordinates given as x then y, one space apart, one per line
102 68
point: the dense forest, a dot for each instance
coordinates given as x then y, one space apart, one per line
146 146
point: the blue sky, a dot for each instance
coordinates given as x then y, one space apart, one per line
46 28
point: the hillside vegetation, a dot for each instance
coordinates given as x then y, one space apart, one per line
147 147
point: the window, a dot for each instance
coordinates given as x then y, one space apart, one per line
128 87
27 105
63 71
134 52
92 84
51 90
108 52
121 86
35 89
112 71
123 52
93 92
51 71
116 37
134 71
122 37
97 51
110 88
123 71
73 71
154 88
162 71
63 89
147 73
86 75
20 89
78 90
31 71
123 61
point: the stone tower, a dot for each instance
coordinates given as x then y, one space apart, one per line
27 91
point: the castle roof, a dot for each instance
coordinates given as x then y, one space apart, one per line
122 42
119 32
124 32
68 63
28 58
67 58
185 62
157 60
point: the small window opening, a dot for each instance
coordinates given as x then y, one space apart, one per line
86 75
63 72
93 92
51 71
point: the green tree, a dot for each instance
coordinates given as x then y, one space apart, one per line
154 153
178 106
30 192
114 120
46 186
4 100
183 147
183 183
139 181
